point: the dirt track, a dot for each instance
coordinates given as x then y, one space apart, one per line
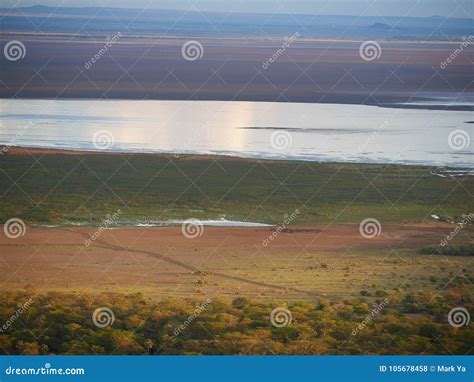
160 262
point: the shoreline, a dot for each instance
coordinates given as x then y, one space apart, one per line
150 39
389 101
5 149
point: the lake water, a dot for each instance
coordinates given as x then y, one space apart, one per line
315 132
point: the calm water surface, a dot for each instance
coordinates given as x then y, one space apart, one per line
316 132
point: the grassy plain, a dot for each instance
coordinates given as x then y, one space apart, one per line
56 188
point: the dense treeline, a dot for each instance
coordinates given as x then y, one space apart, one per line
59 323
451 250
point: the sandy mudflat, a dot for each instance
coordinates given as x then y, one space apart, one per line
311 71
15 150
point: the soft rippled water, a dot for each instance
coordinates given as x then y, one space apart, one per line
316 132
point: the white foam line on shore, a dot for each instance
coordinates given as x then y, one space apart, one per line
212 223
168 223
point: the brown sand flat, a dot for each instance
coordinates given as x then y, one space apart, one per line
17 150
307 263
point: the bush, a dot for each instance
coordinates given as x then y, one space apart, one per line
449 250
61 323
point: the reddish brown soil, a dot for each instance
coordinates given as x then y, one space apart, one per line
161 262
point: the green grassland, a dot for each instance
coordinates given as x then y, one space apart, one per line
61 189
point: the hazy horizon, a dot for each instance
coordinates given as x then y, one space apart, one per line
383 8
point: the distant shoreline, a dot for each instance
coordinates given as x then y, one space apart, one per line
151 39
438 170
394 101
